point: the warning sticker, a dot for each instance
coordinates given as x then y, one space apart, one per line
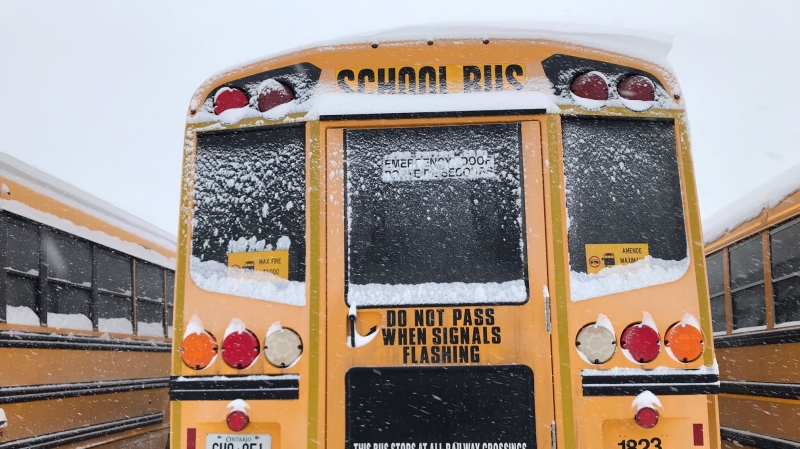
434 165
611 254
275 262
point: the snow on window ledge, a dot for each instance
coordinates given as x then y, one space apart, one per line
216 277
21 315
621 278
69 321
115 325
786 324
742 330
377 295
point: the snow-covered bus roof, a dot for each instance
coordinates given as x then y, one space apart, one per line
17 171
749 206
647 45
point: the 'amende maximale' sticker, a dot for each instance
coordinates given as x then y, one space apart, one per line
437 165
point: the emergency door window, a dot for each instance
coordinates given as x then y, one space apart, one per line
434 215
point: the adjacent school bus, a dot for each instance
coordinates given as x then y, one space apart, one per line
483 240
753 264
85 318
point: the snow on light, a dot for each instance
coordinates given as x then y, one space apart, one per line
238 405
647 320
643 273
195 326
646 399
235 326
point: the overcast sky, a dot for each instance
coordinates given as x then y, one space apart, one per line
95 92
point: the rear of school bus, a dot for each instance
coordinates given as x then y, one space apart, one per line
488 240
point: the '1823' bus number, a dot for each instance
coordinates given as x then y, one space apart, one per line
644 443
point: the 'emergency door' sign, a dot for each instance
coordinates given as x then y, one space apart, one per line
434 165
612 254
275 262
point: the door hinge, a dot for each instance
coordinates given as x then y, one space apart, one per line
546 294
553 440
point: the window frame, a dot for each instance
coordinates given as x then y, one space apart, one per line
796 274
755 237
43 281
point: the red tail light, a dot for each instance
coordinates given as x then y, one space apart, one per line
273 93
229 98
646 417
237 420
240 349
641 342
636 87
592 86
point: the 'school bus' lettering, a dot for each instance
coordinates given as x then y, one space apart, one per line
432 79
440 261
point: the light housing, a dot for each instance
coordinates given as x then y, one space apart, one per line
198 350
596 343
283 347
637 87
685 342
273 93
240 349
641 342
591 86
237 420
229 98
646 417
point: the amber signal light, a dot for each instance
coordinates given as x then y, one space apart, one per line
198 350
684 341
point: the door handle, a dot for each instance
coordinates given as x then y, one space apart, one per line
356 340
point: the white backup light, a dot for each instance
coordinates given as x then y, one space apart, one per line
283 347
596 343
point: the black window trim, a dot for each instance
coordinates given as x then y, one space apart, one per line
746 241
40 297
772 231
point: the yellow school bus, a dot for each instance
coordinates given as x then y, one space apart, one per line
443 239
753 259
85 318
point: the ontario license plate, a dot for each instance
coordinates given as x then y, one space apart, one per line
238 441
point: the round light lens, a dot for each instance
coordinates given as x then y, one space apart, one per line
240 349
641 342
237 420
637 87
596 343
273 93
229 98
685 342
591 86
283 347
646 417
198 350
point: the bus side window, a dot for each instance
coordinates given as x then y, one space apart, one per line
747 284
22 272
170 288
785 257
115 290
149 300
69 280
716 291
